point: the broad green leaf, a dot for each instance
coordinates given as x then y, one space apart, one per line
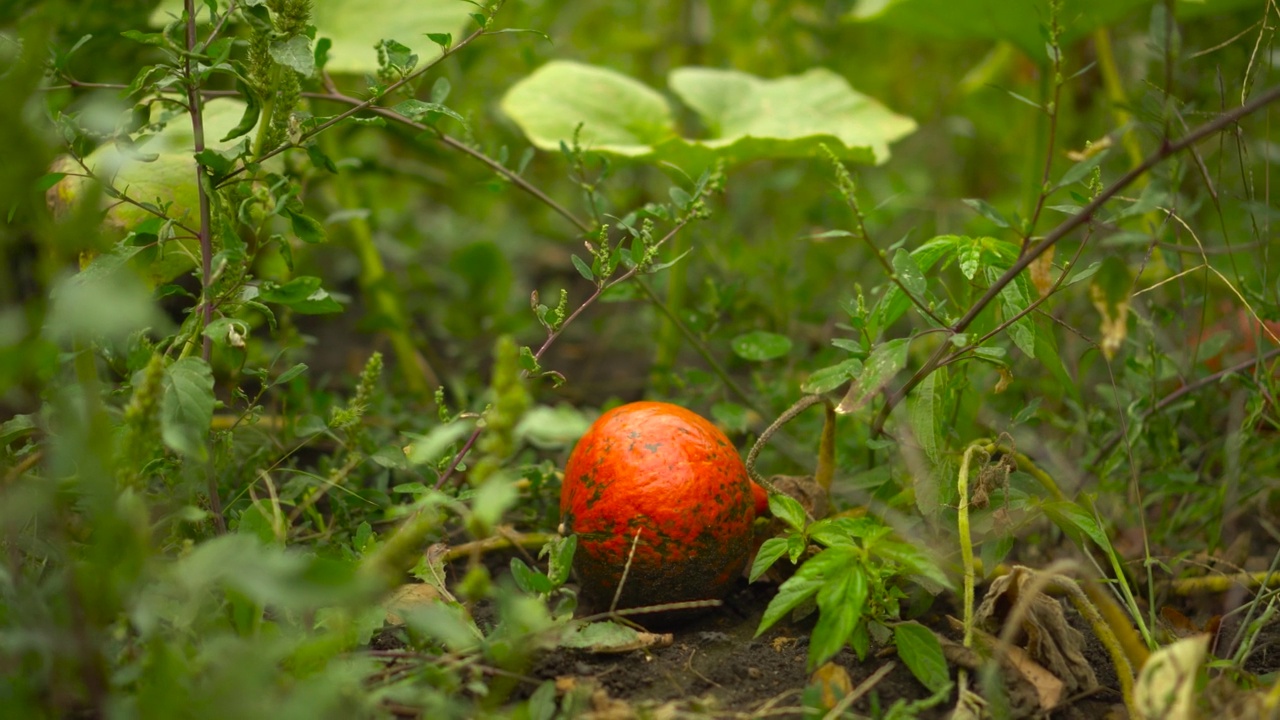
804 584
920 650
354 27
759 346
921 406
909 273
551 428
1017 22
788 510
302 295
186 413
831 632
769 552
883 364
830 378
1076 521
748 117
913 559
618 115
167 181
1014 301
295 53
751 117
970 257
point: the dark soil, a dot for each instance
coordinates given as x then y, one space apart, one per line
715 666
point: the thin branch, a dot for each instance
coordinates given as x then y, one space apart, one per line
1066 227
1187 389
205 235
365 104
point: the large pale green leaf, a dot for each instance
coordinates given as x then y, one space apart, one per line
160 172
187 408
1015 21
619 115
355 26
751 117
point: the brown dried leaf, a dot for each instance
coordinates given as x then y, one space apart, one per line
407 597
1050 640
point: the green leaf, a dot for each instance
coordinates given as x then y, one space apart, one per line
186 412
426 111
1014 301
1076 522
295 53
795 590
583 268
921 406
307 228
1020 23
787 509
830 633
528 579
619 115
909 273
829 533
830 378
886 361
759 346
920 650
913 560
986 210
751 117
302 295
560 553
970 257
769 552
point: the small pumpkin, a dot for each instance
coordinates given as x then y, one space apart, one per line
665 480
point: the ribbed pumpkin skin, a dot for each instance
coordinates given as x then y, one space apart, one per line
672 475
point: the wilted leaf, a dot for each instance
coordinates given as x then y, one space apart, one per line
610 637
406 598
833 683
1109 292
1165 686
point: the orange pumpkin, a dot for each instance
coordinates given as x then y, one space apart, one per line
668 481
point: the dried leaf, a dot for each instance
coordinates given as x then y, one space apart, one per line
407 597
1050 640
1042 272
833 683
1168 680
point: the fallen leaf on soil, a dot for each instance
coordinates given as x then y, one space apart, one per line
833 682
1167 682
407 597
1049 639
610 637
1026 696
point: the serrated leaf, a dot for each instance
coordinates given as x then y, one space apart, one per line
186 412
830 633
420 111
295 53
759 346
885 361
768 554
787 509
795 590
970 254
1015 301
922 653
